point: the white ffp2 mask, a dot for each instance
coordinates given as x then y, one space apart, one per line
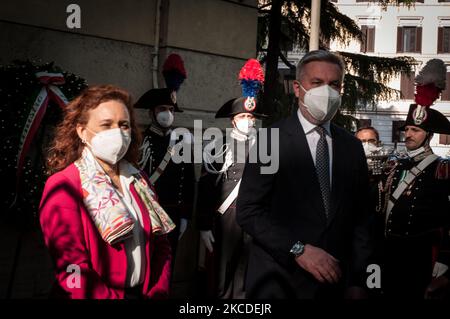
369 148
245 125
322 102
110 145
165 118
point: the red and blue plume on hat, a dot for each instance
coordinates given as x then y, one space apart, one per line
174 72
251 78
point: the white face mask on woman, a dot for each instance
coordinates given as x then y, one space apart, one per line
321 102
245 125
165 118
110 145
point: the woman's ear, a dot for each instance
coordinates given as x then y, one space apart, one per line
81 131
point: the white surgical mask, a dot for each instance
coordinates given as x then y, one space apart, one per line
165 119
322 102
110 145
369 148
245 125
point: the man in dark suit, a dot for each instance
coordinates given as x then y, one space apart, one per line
308 220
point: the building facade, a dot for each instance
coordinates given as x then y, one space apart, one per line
116 42
422 32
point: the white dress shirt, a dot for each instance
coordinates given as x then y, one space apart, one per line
312 136
134 245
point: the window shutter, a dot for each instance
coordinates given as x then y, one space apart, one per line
407 86
399 39
371 39
440 40
419 39
364 38
444 139
446 93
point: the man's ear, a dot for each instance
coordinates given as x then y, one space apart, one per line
233 122
296 87
151 114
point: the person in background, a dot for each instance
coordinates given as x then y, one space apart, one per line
218 189
417 200
174 182
370 139
100 218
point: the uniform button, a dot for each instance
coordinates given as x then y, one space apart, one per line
407 233
409 223
412 206
415 197
179 202
182 168
390 221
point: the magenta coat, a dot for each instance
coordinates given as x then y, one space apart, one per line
73 239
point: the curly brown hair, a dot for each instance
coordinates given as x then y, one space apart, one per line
66 147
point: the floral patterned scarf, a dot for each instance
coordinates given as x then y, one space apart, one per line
106 206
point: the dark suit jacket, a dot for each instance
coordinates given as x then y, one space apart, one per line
279 209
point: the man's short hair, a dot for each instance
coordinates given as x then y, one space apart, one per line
377 135
320 55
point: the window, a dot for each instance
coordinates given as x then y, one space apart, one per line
397 135
409 39
368 43
407 87
364 123
443 40
444 139
445 96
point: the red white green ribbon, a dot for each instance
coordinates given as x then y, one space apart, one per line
49 92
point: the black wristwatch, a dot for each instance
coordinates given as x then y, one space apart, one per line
297 249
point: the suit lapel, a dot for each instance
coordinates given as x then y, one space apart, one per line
306 176
337 171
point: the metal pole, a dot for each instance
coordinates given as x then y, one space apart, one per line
315 25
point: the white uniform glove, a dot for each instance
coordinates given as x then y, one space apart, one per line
208 239
183 226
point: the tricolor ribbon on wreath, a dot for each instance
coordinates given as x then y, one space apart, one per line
49 92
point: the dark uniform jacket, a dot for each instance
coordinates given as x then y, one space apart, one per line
175 187
231 244
416 230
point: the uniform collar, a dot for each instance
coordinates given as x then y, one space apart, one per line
157 130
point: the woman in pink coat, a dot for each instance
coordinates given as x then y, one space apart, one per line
101 222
